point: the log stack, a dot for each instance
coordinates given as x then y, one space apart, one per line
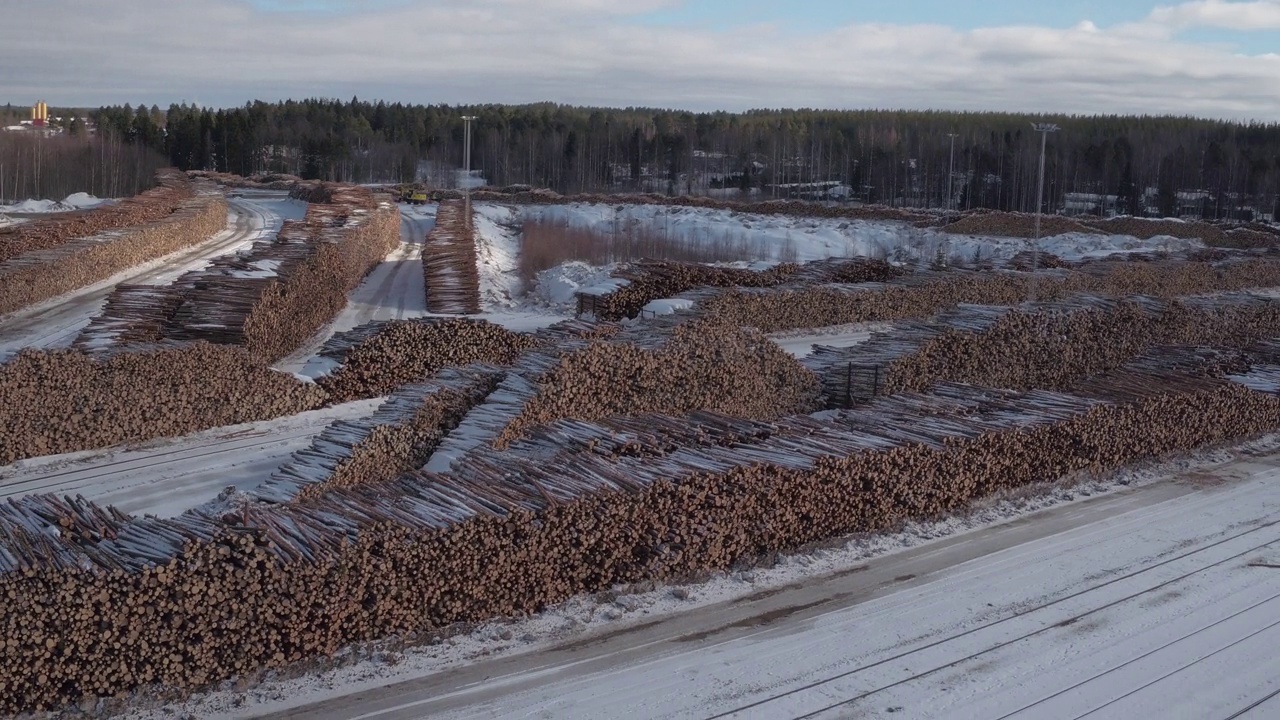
59 401
449 262
70 262
101 603
171 192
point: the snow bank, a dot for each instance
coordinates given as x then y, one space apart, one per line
75 201
498 256
666 306
558 286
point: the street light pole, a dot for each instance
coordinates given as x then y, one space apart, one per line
951 173
1044 129
466 161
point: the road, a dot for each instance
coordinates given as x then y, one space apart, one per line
57 322
1157 601
394 290
165 477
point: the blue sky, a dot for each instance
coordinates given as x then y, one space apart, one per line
810 15
1183 57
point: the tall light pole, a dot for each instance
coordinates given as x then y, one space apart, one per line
951 173
1044 129
466 161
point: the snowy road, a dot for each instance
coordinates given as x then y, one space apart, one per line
166 477
57 322
394 290
1159 601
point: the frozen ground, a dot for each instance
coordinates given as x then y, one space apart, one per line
1149 594
167 476
57 322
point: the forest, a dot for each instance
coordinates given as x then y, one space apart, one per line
1107 164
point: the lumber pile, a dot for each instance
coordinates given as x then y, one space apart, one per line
58 401
449 262
1147 228
399 437
150 206
263 181
101 603
76 260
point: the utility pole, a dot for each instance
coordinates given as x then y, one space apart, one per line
466 161
1044 129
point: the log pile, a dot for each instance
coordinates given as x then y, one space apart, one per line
1018 225
698 365
399 437
58 401
449 262
1048 345
272 298
80 260
101 603
171 191
380 357
265 181
1147 228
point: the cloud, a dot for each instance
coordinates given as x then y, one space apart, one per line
1257 15
589 52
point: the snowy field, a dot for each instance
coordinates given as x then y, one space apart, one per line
1152 593
770 238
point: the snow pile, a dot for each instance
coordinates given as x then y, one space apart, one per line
5 221
666 306
558 286
75 201
1077 246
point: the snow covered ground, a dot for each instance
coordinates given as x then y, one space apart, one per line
800 342
770 238
168 476
74 201
1153 593
58 321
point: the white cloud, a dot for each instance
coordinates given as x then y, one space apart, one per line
1257 15
585 51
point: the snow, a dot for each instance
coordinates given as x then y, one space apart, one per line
1001 613
800 342
75 201
498 256
559 286
665 306
168 476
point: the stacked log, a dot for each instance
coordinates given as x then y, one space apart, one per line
272 298
699 365
1049 345
80 260
264 181
58 401
399 437
1147 228
1017 225
449 262
377 359
265 586
171 191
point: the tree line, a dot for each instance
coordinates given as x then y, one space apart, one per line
1126 164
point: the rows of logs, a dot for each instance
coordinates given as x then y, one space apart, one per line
397 438
59 401
1045 345
376 358
171 191
265 181
82 260
449 262
270 299
1018 225
99 603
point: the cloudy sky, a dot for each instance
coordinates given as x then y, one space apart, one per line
1211 58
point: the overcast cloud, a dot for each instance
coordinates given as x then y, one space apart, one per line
224 52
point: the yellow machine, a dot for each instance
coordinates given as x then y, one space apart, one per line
413 195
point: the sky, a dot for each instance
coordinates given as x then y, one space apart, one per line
1208 58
